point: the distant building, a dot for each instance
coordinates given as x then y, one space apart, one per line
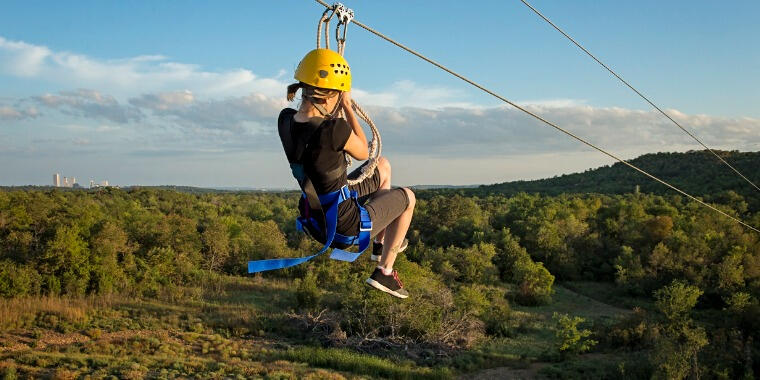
65 182
57 180
73 181
103 183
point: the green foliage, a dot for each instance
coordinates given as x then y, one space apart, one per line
534 282
433 316
308 293
175 246
696 172
570 340
629 270
67 257
676 300
675 353
9 373
16 281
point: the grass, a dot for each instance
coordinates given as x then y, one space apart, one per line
609 294
238 328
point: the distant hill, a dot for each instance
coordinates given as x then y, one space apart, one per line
698 173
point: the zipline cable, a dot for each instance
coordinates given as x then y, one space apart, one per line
637 91
555 126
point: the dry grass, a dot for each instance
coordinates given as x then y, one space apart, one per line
15 312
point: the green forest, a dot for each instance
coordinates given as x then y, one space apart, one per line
580 276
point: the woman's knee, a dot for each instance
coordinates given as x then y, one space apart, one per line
384 166
410 196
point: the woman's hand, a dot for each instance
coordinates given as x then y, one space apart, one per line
356 145
345 101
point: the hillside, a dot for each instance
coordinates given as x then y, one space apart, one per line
696 172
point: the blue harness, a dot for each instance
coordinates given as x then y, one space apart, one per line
329 204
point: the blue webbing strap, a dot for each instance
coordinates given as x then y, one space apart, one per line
365 230
331 220
332 200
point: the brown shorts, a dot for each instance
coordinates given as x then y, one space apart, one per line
383 205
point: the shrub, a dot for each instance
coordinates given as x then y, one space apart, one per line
570 340
675 353
18 280
308 293
9 373
433 317
534 282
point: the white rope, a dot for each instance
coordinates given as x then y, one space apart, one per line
375 145
541 119
638 92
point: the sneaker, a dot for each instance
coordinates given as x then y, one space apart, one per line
377 249
390 284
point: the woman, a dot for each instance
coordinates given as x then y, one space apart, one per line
324 79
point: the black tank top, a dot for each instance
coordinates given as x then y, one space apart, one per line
325 164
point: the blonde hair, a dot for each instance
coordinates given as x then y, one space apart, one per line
310 93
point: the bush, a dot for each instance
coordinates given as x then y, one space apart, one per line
308 293
18 280
431 317
474 264
570 340
534 283
9 373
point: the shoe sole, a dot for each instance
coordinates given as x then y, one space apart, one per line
377 257
382 287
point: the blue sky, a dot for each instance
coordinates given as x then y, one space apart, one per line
186 92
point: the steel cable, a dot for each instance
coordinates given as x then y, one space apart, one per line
555 126
637 92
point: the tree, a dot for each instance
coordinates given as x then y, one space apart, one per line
66 258
570 340
675 353
216 245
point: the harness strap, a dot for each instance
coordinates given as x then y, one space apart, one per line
325 205
364 237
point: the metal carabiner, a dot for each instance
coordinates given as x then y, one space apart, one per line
345 15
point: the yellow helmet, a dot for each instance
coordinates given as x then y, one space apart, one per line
324 68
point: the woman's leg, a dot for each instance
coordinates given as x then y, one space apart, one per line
396 231
390 211
384 169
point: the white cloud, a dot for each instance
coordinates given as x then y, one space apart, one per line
164 101
129 76
408 93
90 104
241 114
22 59
491 131
13 113
183 110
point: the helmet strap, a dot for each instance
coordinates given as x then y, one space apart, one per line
322 110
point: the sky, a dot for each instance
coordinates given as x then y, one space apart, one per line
187 92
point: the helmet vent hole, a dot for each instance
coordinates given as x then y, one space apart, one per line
336 71
332 65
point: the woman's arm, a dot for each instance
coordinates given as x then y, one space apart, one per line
356 146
